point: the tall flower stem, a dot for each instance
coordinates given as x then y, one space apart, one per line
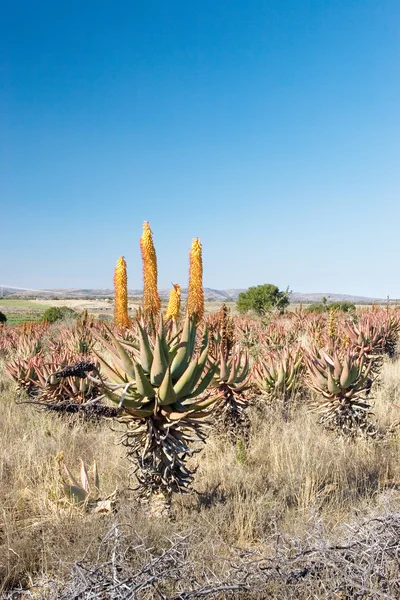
121 318
151 298
195 302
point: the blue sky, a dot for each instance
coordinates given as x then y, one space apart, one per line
269 129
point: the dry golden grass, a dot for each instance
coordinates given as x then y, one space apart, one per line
290 475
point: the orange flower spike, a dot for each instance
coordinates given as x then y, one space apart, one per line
151 298
195 301
121 318
174 303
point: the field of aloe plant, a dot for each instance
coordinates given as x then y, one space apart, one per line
285 423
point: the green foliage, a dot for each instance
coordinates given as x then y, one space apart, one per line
56 313
263 298
344 306
317 307
321 307
3 318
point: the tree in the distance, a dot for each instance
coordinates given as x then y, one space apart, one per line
262 299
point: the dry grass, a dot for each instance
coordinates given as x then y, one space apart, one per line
291 477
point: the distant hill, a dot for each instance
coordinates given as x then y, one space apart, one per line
209 294
297 298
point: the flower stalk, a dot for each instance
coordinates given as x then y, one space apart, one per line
121 318
195 302
151 298
174 303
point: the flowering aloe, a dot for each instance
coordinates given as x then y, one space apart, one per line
159 383
174 303
231 377
121 318
195 301
151 298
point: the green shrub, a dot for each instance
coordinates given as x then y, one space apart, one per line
3 318
344 306
263 298
317 307
56 313
321 307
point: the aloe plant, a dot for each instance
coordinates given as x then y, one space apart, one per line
278 376
231 377
342 382
80 491
160 384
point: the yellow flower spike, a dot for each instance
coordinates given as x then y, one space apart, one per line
332 327
195 301
121 318
151 298
174 303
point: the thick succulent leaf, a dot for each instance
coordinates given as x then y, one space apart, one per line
205 382
128 401
245 371
96 478
174 416
84 477
141 413
111 396
145 351
143 385
111 372
204 341
67 473
160 363
75 492
186 383
192 337
194 406
166 392
233 373
124 359
182 356
163 340
200 414
201 363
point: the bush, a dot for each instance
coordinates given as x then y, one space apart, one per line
321 307
56 313
344 306
263 298
3 318
317 307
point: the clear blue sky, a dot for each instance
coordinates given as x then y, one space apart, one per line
270 129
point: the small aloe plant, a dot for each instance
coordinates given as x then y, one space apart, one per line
83 493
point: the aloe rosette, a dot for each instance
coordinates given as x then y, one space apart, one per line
160 382
278 373
342 382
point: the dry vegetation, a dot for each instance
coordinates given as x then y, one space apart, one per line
296 494
296 512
